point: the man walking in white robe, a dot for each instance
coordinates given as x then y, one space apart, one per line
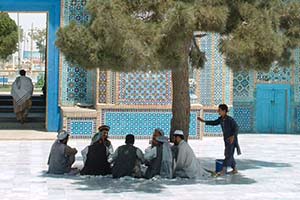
22 90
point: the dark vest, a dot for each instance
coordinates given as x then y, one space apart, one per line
96 162
155 164
125 161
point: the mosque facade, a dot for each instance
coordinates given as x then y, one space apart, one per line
80 100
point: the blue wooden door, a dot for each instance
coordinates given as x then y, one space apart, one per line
263 111
271 109
279 115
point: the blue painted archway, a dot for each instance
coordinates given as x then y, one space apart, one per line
52 7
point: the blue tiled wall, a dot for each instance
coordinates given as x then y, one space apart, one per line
142 123
77 84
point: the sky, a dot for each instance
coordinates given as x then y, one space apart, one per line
26 21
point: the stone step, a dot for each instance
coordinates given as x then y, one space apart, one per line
32 117
26 126
10 109
36 100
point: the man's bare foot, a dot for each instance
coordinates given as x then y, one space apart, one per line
234 171
222 173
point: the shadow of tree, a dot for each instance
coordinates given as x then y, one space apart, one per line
244 164
156 185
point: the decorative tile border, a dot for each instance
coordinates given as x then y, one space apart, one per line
142 122
218 79
228 86
243 86
102 86
205 73
77 84
276 75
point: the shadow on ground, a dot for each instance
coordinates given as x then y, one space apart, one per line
127 184
244 164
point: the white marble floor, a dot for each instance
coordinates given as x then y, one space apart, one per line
269 170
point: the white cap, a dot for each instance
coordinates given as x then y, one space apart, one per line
178 132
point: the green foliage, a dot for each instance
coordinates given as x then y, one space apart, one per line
141 35
8 36
136 35
41 81
262 35
39 36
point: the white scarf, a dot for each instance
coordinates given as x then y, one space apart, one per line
22 89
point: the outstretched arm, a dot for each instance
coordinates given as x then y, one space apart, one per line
212 123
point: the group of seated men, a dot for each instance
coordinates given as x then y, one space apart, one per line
160 159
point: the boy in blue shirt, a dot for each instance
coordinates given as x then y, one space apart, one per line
230 133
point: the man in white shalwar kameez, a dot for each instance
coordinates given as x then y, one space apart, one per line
22 89
187 165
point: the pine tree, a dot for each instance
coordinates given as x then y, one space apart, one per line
143 35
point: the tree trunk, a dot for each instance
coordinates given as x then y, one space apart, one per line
181 105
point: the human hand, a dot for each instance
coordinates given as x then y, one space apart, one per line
231 139
200 119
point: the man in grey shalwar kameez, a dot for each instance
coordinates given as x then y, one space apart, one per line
62 156
159 157
187 165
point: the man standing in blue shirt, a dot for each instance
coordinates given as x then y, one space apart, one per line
230 133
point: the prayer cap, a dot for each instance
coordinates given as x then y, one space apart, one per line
178 132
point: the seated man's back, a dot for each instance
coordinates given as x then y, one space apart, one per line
127 160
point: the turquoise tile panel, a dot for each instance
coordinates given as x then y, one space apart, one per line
142 123
81 127
145 88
